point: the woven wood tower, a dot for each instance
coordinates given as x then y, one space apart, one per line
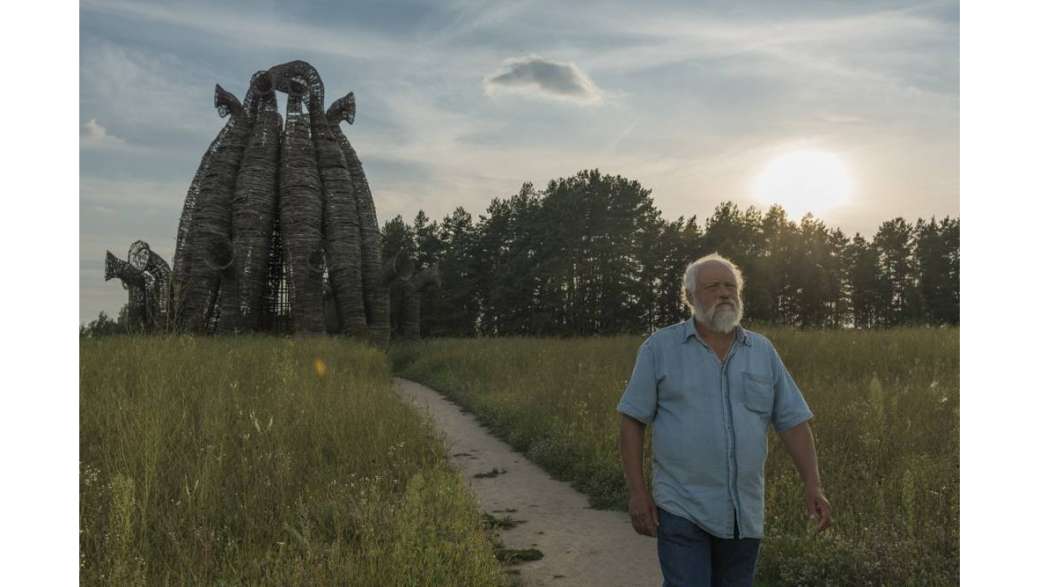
279 230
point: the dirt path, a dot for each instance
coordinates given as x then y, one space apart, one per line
581 546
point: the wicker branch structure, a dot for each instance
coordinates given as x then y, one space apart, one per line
279 230
148 280
410 287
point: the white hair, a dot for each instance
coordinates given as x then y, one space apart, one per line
690 277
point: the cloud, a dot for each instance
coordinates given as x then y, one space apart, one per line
92 134
880 49
248 26
92 131
536 76
145 89
144 194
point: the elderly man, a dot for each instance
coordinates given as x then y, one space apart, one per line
711 388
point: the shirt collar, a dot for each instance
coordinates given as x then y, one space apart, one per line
690 330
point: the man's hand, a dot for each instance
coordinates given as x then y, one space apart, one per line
641 507
818 507
643 511
799 443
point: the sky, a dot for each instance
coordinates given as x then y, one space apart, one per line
460 102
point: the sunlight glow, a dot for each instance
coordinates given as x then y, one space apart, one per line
804 181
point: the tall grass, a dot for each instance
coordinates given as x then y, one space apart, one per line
886 427
264 461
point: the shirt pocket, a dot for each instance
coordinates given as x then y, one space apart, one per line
758 392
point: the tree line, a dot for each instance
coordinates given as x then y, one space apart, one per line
591 254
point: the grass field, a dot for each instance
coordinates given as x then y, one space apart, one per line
260 461
887 431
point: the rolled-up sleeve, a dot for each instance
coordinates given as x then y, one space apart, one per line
640 398
789 406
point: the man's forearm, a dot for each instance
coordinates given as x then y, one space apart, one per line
631 445
800 445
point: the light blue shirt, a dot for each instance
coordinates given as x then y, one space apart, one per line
710 420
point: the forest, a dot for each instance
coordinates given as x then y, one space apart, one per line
591 254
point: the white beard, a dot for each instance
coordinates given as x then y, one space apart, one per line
722 320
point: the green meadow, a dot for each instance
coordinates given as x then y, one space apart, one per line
264 461
886 406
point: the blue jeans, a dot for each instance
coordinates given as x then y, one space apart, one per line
690 557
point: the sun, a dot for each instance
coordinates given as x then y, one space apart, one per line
804 181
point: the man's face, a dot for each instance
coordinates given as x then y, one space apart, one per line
716 300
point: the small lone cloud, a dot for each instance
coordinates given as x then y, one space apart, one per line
92 134
540 77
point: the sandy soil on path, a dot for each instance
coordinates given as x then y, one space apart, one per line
581 546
